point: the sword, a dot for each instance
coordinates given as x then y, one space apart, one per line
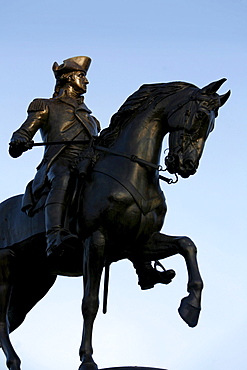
63 142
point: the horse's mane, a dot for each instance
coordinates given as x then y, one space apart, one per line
138 101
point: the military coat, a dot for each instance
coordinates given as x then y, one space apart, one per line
58 119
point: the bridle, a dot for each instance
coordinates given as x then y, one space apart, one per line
140 161
171 158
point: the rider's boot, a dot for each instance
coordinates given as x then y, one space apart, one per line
149 276
59 239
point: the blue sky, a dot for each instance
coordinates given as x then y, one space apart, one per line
131 43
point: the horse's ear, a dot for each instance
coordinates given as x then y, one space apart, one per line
224 98
213 87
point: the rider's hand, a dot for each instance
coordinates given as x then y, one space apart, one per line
18 146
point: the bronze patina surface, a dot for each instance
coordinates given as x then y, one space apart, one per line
97 199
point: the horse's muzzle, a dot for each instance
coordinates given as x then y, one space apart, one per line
184 168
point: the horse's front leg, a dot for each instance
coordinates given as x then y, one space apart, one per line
190 306
94 258
162 246
7 266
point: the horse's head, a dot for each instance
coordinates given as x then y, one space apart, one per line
190 121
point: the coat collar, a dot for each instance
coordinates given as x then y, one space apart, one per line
73 102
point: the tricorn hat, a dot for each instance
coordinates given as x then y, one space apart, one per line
71 64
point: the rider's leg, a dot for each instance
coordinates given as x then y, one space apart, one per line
56 205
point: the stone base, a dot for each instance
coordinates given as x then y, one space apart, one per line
132 368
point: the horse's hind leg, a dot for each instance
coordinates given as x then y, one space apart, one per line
94 259
7 265
162 246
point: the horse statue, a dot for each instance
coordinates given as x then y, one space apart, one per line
119 213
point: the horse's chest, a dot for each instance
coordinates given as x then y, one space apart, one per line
141 196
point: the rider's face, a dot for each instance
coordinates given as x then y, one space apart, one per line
79 82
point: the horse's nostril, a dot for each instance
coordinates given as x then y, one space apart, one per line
189 165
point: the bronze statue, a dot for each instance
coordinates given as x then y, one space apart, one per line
117 212
68 131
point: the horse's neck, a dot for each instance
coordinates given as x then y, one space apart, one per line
142 138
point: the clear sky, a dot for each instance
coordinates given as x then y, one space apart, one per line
133 42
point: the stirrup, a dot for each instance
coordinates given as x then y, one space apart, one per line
152 276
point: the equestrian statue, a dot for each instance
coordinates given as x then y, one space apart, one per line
96 196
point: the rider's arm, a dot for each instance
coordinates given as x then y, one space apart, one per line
37 115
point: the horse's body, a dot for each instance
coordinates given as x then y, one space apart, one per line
122 208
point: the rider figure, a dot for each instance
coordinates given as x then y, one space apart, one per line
64 117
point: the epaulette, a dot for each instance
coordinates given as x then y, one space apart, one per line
36 105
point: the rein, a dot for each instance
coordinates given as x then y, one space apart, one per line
140 161
132 157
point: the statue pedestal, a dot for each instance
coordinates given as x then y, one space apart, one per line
132 368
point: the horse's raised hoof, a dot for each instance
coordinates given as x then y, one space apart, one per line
188 312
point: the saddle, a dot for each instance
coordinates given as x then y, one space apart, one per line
80 169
